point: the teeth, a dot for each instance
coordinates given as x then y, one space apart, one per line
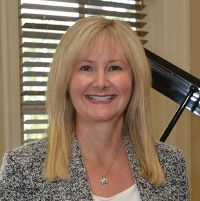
100 98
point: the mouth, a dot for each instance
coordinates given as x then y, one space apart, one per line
94 98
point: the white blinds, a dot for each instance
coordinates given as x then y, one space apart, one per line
43 22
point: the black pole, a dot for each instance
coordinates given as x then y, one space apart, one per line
178 114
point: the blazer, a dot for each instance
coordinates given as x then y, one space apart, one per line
20 176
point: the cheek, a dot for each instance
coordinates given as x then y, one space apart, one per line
124 85
78 84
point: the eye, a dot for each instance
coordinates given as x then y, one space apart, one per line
86 68
115 68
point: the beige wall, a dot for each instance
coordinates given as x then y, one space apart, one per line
1 103
1 112
175 35
195 69
168 27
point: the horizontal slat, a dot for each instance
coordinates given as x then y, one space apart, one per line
49 17
79 1
35 131
58 36
34 74
136 24
106 3
34 83
41 35
36 121
36 64
33 93
141 33
46 26
34 111
37 55
144 41
33 103
83 11
65 27
39 45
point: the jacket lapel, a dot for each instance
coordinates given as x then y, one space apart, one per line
148 192
79 185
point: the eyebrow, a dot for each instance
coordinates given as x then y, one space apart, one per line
86 60
110 61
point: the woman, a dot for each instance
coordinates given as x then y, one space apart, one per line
99 144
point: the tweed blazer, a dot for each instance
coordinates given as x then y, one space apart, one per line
20 177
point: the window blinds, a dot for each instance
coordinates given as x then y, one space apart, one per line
42 23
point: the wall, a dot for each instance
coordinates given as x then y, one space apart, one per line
175 35
168 36
195 69
1 100
1 111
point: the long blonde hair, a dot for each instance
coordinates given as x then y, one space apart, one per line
77 42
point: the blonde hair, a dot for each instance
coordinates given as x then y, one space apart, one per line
77 42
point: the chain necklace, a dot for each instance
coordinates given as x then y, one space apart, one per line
104 178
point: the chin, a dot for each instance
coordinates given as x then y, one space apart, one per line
107 118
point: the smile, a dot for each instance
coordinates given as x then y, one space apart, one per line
100 98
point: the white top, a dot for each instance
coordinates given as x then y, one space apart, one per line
129 194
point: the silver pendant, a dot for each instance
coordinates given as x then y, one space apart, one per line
104 180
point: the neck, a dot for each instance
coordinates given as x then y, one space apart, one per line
100 141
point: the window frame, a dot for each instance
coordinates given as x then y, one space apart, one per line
10 76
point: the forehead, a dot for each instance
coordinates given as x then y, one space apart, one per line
104 48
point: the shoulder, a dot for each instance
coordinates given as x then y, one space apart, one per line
166 151
25 155
174 166
20 168
29 150
171 158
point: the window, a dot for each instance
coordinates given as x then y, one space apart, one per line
43 22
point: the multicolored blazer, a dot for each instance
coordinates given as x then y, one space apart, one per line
21 175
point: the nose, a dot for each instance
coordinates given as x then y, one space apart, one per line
101 79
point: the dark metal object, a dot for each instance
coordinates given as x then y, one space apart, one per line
176 84
177 114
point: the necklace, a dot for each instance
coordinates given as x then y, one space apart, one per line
104 178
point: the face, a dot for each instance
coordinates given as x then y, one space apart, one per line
101 86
